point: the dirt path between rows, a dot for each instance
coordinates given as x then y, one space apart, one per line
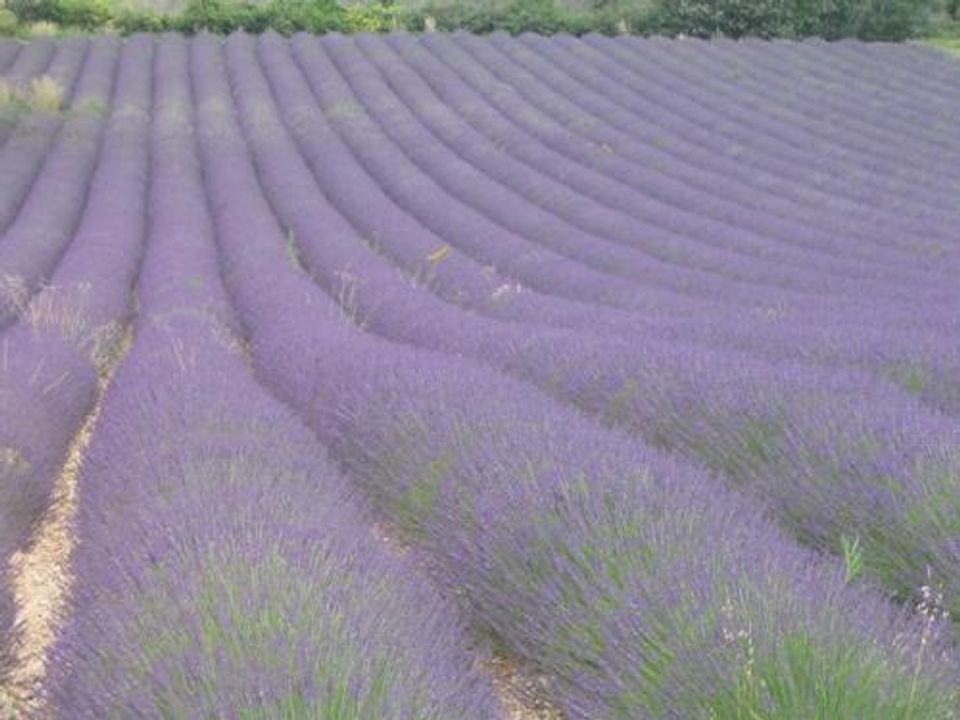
41 577
40 574
42 580
522 694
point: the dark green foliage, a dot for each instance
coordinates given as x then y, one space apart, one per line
546 17
831 19
283 16
734 18
83 14
8 22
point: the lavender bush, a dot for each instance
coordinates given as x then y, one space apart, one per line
555 530
837 453
51 358
224 568
45 224
642 354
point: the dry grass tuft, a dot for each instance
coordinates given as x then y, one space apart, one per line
522 697
44 27
43 95
7 95
46 95
60 311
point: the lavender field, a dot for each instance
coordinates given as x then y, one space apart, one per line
444 376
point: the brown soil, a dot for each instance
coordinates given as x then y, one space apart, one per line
41 573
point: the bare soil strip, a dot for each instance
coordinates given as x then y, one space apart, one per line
42 580
522 695
41 573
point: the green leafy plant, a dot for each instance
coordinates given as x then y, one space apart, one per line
852 557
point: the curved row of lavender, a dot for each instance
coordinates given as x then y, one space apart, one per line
30 134
224 568
715 247
47 219
19 65
924 362
543 271
639 584
780 429
51 357
927 359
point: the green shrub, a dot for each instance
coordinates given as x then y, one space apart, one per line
8 22
376 18
733 18
831 19
866 19
84 14
516 16
128 22
226 16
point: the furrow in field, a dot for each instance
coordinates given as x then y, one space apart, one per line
224 565
710 405
633 133
32 132
53 207
570 159
423 121
506 488
52 357
752 140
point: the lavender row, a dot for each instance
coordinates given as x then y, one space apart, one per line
9 50
32 133
865 138
508 206
696 158
320 145
918 65
450 90
414 74
923 362
19 64
44 226
470 156
224 568
909 371
774 145
631 133
585 198
727 154
576 547
894 98
780 429
439 41
51 358
790 138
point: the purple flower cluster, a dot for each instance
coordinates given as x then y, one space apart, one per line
835 451
50 358
644 350
224 567
43 225
641 585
